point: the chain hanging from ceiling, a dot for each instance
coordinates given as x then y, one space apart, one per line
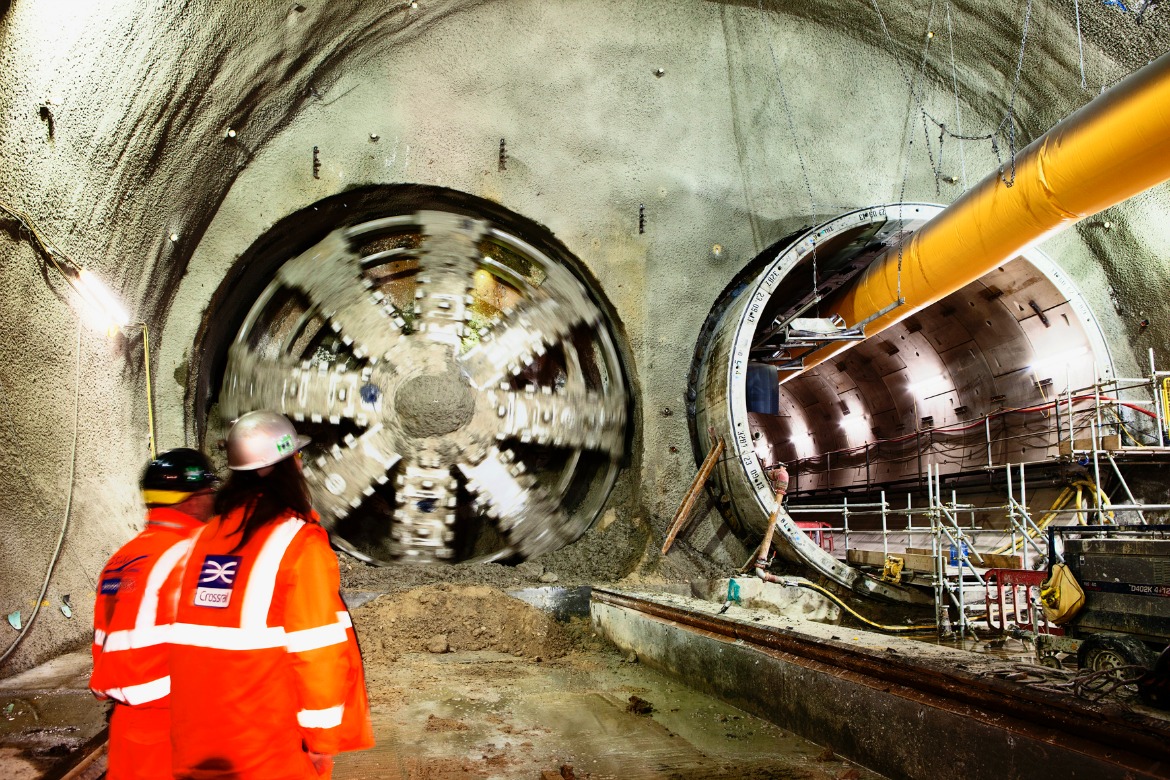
1007 125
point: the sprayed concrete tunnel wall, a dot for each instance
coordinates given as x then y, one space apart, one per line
727 124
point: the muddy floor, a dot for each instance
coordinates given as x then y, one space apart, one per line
47 716
468 682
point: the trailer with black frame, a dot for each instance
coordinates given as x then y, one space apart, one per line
1124 573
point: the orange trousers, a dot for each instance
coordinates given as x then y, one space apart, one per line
140 743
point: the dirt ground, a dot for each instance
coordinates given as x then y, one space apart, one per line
467 682
621 548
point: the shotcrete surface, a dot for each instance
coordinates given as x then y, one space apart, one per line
114 130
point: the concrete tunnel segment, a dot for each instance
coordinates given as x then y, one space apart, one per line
719 385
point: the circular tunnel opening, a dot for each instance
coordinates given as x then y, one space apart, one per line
457 371
965 386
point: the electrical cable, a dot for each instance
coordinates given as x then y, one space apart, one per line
833 597
68 508
953 429
1061 501
1054 511
47 248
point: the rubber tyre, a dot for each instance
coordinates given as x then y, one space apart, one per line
1102 651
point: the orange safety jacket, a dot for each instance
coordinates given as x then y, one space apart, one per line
129 642
264 663
130 658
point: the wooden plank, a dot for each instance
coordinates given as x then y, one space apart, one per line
981 559
910 561
684 511
1110 443
918 559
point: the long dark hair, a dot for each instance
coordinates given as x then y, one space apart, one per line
264 499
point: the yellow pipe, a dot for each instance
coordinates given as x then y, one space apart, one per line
1113 148
1165 406
1061 500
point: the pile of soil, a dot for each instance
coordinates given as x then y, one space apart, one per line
359 576
449 618
620 549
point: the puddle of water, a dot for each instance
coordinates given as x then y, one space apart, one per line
994 646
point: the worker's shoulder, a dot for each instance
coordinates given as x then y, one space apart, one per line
310 547
139 552
310 530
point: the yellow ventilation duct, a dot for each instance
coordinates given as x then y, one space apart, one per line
1110 150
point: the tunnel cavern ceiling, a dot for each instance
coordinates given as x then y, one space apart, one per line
187 152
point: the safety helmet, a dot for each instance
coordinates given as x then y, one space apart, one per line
173 476
260 439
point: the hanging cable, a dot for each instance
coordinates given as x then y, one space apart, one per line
68 509
1006 125
917 101
787 109
1010 118
955 86
1080 43
935 167
795 144
910 86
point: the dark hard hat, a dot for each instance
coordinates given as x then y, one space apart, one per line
174 475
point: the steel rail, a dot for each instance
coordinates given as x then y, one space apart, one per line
1125 738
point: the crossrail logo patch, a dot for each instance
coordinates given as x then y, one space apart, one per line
217 579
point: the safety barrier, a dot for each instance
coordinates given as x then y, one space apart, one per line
819 532
1012 596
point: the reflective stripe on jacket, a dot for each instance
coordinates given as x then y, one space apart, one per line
264 662
129 644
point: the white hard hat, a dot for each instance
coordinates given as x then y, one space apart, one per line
260 439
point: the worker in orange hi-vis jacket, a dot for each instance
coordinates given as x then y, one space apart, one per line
266 675
130 664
